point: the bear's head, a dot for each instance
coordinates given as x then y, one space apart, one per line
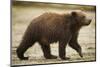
80 18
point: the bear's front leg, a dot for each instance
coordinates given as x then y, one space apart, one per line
74 44
77 47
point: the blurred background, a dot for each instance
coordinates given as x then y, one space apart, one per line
22 14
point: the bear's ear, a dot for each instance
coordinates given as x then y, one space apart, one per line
74 14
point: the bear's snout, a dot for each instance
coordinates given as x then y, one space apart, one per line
88 22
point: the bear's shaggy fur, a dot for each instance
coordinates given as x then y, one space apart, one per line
52 27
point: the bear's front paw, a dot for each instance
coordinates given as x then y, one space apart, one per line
81 55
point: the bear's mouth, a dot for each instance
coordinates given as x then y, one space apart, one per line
88 22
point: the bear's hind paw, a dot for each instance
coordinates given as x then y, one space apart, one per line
24 58
65 58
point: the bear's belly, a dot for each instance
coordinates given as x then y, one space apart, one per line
53 36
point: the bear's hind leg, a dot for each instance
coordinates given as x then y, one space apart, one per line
62 51
20 53
46 50
22 49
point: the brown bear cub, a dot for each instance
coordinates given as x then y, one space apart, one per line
52 27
